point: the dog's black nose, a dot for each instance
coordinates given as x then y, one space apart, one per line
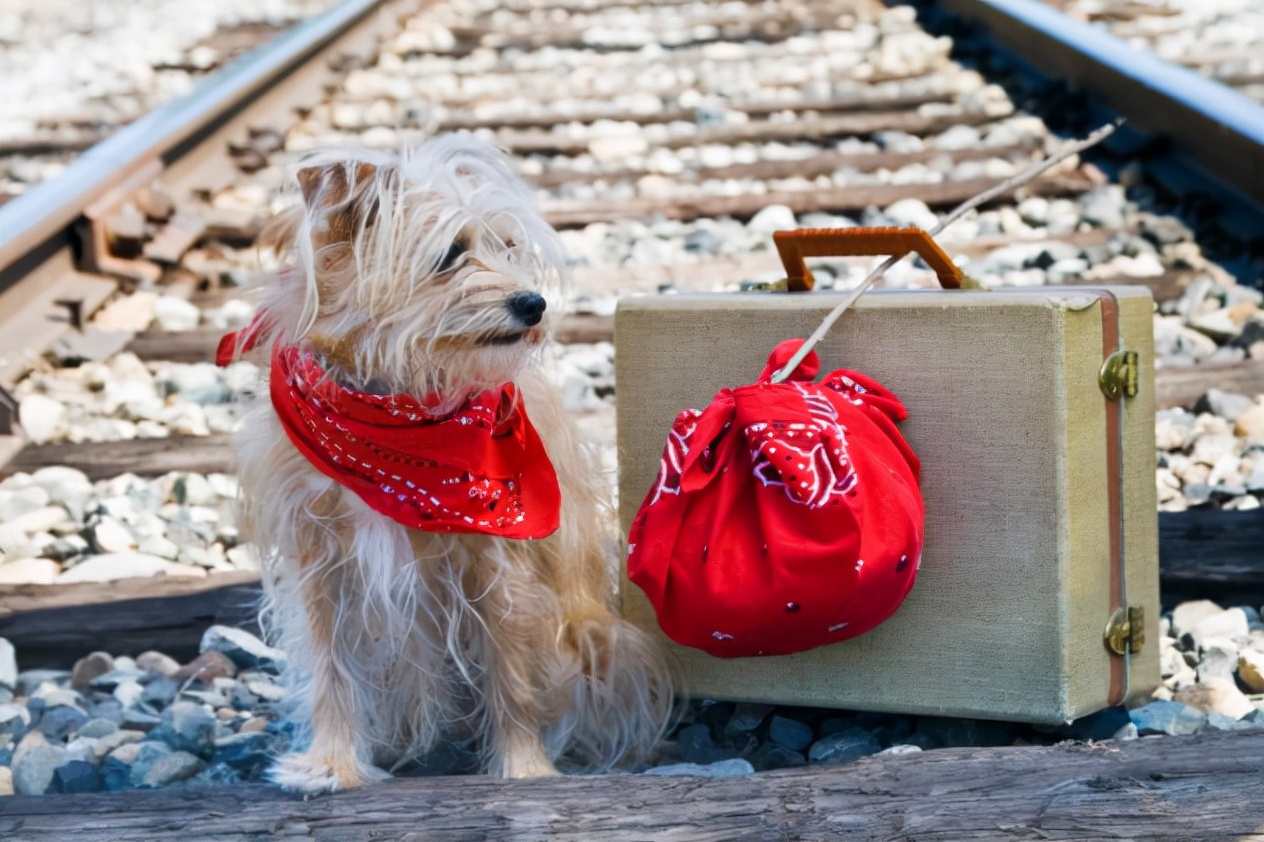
527 307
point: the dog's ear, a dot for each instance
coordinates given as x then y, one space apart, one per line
345 194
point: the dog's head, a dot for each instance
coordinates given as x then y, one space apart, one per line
427 271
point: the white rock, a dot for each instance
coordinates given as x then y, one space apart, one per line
111 566
40 520
41 418
161 546
110 536
55 477
9 667
1250 425
912 213
773 218
176 313
617 148
1231 624
1187 615
243 557
132 312
128 692
29 571
15 505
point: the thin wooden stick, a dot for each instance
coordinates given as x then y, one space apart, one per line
1024 177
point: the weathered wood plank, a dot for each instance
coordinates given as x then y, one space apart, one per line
1212 554
862 123
1203 787
143 457
593 113
576 214
823 163
1184 385
54 625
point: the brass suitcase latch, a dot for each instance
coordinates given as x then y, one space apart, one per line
1125 633
1118 376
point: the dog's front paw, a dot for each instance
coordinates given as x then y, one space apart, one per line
526 762
312 775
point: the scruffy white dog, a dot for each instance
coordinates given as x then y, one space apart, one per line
407 511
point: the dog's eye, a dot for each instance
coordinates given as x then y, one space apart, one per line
454 253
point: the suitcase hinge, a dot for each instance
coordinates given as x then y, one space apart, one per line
1118 376
1125 633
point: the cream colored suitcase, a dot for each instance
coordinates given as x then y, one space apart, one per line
1040 567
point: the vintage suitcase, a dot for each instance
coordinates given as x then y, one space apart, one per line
1032 411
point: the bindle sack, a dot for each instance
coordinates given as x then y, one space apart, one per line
785 516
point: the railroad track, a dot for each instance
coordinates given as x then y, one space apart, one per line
1208 37
666 141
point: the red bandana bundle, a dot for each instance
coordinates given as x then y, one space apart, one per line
480 469
785 516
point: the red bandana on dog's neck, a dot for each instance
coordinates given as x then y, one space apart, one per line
479 469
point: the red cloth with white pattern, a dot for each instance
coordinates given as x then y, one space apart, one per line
480 469
784 516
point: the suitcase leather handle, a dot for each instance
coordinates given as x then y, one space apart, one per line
794 246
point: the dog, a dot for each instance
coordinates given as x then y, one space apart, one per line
424 283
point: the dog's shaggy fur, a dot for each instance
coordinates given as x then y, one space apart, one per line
399 270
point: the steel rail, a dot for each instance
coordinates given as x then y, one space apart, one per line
1209 122
37 224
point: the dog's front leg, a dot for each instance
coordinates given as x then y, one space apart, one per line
516 642
336 758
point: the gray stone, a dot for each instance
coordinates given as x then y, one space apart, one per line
772 756
59 722
90 666
733 768
746 717
96 728
903 748
76 776
1219 659
109 681
245 650
188 727
177 766
33 769
250 753
789 733
138 720
116 768
1220 722
1167 717
156 663
843 747
13 719
1128 732
160 692
1228 405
